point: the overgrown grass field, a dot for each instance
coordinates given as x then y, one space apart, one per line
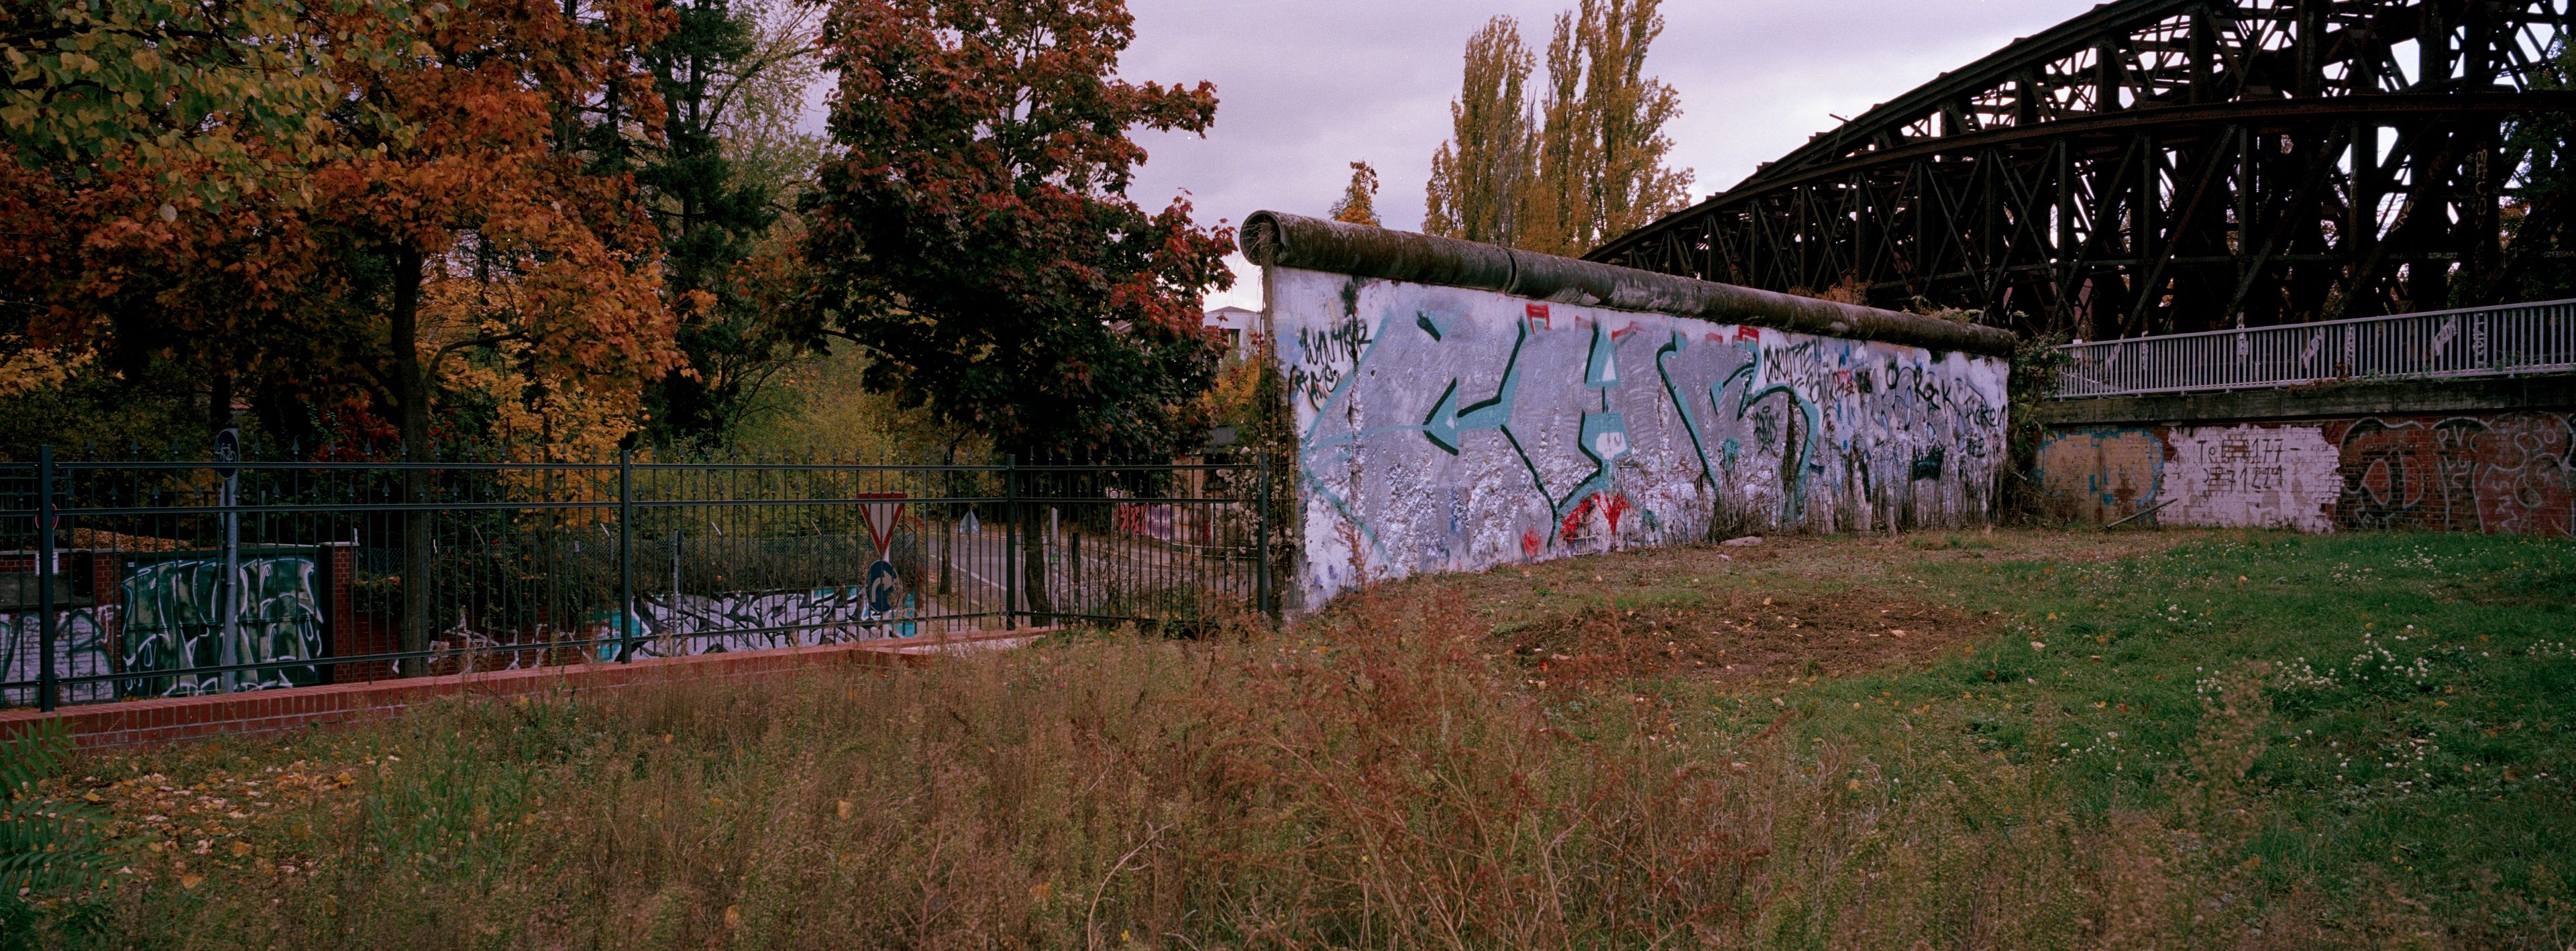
2016 739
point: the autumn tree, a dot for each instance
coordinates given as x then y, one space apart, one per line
224 98
1582 164
161 151
1478 175
975 235
434 236
1358 204
1625 112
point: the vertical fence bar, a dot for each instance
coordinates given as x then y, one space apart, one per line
45 688
626 620
1261 546
1010 541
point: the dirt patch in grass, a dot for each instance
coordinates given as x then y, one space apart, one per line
1741 636
1789 606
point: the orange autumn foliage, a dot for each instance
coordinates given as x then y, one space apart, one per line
460 161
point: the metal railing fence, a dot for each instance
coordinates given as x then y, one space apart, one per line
2508 340
127 579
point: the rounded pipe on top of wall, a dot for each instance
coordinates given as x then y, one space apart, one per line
1278 239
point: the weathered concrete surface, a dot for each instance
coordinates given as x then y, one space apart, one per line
2509 471
2489 455
1272 239
1454 429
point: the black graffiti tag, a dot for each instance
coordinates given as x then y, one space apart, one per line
1327 356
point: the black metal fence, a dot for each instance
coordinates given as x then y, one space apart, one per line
124 579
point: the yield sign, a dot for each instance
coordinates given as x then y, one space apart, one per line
881 511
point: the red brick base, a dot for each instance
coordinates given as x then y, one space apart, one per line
142 722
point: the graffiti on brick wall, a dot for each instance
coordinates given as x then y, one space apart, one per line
2512 472
174 623
81 649
2250 477
2506 472
1447 429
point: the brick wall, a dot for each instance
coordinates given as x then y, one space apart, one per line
142 722
2509 471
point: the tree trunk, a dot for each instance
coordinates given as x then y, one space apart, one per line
219 400
411 393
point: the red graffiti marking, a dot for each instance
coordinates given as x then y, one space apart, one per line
1573 527
1843 383
1530 543
2505 473
1624 331
1612 506
1538 315
1744 334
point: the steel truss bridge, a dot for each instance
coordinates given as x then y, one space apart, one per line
2161 166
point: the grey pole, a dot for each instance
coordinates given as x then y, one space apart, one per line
228 586
1010 542
1261 545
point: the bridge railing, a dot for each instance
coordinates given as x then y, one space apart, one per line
2508 340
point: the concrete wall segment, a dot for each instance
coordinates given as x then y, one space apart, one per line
1454 429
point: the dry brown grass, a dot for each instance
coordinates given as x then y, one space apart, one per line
1391 775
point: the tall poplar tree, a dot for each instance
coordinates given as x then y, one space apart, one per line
1477 177
1625 112
1582 164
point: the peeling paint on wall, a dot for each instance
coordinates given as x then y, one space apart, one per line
2499 472
1450 429
2251 477
2103 474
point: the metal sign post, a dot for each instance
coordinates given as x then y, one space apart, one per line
228 587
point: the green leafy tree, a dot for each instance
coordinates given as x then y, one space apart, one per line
975 235
1626 112
1359 201
711 215
101 86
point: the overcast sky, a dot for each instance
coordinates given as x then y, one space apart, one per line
1305 87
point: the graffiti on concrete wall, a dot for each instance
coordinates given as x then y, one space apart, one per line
81 649
690 624
2101 474
174 623
2504 472
669 625
1448 429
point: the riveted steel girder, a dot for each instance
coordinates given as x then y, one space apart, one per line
2156 166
